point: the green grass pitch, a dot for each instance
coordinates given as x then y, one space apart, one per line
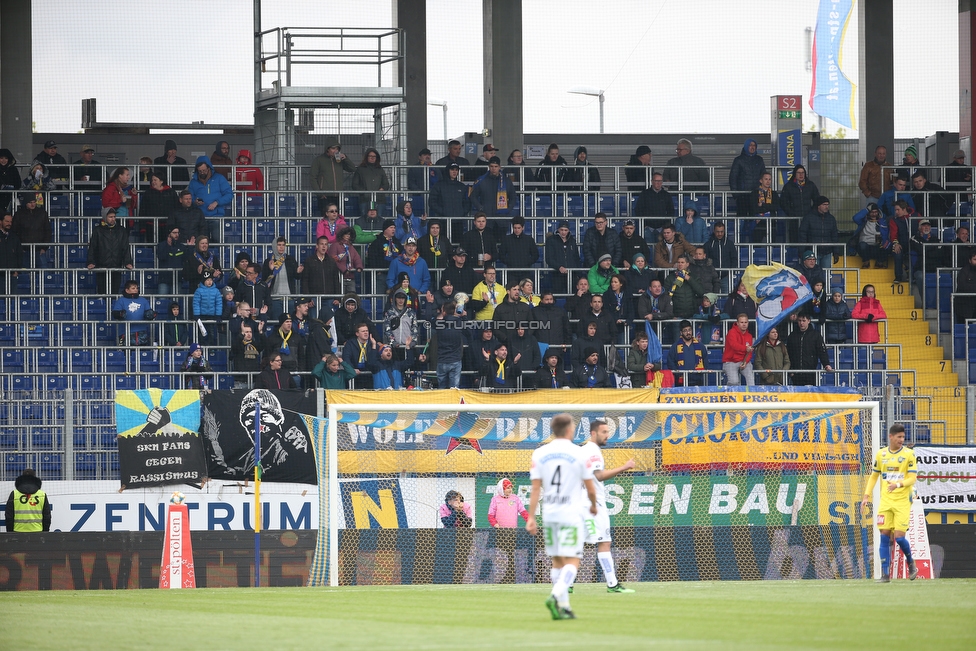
937 615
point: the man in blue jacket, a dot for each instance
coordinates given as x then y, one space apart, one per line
897 192
410 262
211 192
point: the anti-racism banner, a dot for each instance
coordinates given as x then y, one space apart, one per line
227 425
946 478
158 439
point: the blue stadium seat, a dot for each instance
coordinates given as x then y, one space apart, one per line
91 205
233 231
48 361
38 334
297 231
50 466
12 361
87 284
931 290
59 205
8 334
29 309
91 383
101 412
144 257
218 360
63 309
116 361
350 205
58 382
159 381
266 231
77 255
148 361
125 383
846 358
225 382
543 206
68 231
255 206
105 334
608 205
81 362
42 438
53 283
959 343
150 282
14 464
714 357
11 438
32 411
96 309
22 383
86 465
575 206
287 206
25 284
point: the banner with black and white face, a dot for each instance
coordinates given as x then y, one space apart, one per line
157 438
227 426
946 478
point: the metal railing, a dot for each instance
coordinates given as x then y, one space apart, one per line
285 50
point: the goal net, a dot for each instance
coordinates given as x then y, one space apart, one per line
726 491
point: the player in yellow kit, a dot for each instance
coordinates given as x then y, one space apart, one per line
896 466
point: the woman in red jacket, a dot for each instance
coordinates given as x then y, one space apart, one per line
868 312
118 194
737 356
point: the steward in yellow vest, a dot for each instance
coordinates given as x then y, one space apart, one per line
28 508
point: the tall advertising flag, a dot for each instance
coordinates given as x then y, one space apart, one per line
777 291
832 93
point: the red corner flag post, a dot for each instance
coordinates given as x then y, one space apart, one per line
176 568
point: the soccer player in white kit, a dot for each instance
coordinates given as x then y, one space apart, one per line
598 526
557 470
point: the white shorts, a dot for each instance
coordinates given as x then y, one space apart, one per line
597 526
563 538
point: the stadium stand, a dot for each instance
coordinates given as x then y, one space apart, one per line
61 361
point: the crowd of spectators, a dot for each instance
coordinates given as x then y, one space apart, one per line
468 312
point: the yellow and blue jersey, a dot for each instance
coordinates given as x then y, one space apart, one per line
896 467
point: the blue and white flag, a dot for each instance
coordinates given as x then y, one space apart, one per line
832 94
777 291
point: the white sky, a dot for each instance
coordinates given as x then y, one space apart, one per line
667 66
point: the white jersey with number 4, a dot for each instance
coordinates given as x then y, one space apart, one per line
594 459
562 467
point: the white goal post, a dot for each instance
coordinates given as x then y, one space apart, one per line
334 411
